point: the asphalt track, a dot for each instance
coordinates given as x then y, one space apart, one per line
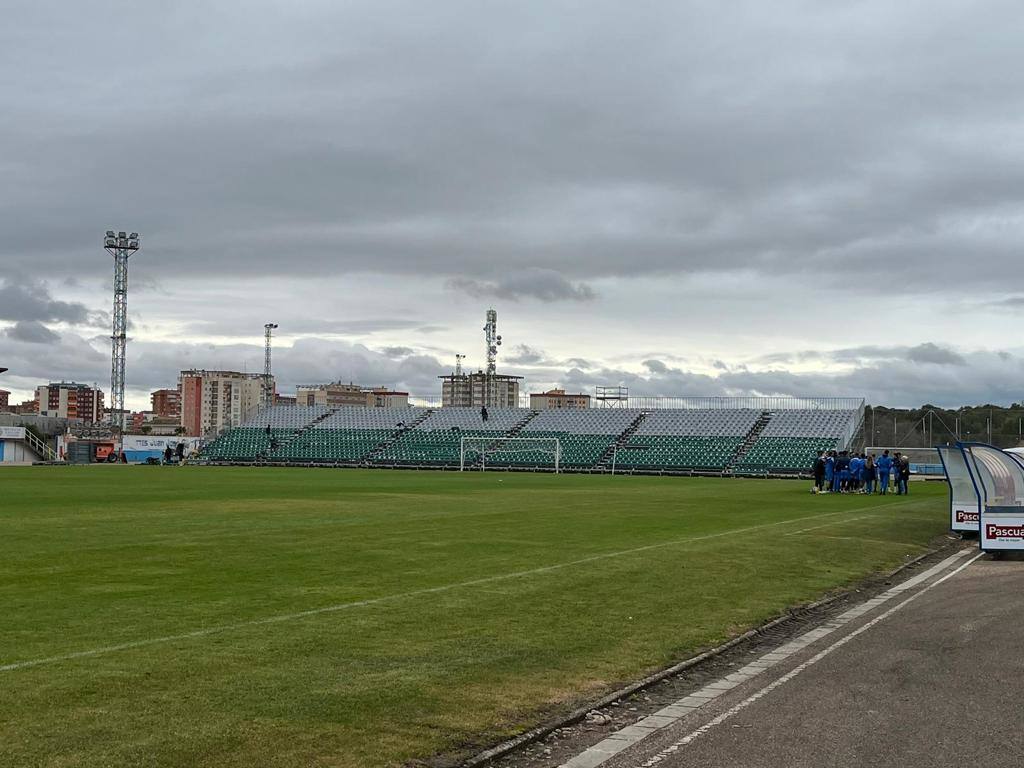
933 676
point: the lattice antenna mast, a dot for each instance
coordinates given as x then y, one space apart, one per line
268 388
458 365
121 246
493 340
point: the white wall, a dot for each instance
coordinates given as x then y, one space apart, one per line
16 452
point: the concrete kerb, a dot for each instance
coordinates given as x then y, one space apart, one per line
541 731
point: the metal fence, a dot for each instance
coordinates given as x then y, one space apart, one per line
755 403
853 427
703 403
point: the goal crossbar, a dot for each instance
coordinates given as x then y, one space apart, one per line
473 448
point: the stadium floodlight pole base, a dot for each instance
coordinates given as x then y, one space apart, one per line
473 448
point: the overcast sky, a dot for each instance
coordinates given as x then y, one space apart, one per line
689 198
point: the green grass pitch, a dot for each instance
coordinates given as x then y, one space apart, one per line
290 617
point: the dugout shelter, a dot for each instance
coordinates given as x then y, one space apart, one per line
1000 476
965 495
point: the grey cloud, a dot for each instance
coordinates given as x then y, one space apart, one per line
579 362
435 151
153 365
396 351
31 332
543 284
69 357
523 354
296 323
892 379
307 360
1013 302
31 301
895 382
354 138
927 352
934 354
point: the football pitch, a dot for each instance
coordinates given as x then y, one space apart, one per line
166 616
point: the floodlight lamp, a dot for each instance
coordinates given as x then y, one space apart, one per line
110 242
110 233
133 244
133 236
122 235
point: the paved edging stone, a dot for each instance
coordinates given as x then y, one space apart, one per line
541 731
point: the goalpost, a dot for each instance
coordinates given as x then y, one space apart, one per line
473 448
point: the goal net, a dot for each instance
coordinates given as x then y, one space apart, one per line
477 452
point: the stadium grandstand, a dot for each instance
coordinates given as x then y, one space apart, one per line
715 436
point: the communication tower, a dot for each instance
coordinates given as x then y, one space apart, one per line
484 386
268 387
493 340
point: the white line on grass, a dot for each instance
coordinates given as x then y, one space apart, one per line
828 525
630 735
877 513
872 541
388 598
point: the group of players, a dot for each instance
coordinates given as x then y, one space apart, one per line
845 472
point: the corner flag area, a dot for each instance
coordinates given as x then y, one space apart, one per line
218 616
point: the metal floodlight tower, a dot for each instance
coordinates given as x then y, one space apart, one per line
268 389
458 365
121 246
493 340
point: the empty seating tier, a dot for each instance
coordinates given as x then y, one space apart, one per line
436 441
698 439
251 440
784 454
244 443
677 452
348 434
743 440
287 417
792 439
584 435
719 422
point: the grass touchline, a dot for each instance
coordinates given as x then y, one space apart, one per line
385 598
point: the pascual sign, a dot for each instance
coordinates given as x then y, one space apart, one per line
963 517
1004 532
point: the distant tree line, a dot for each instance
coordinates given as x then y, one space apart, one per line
930 425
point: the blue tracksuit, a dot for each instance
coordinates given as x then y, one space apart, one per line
842 472
884 468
